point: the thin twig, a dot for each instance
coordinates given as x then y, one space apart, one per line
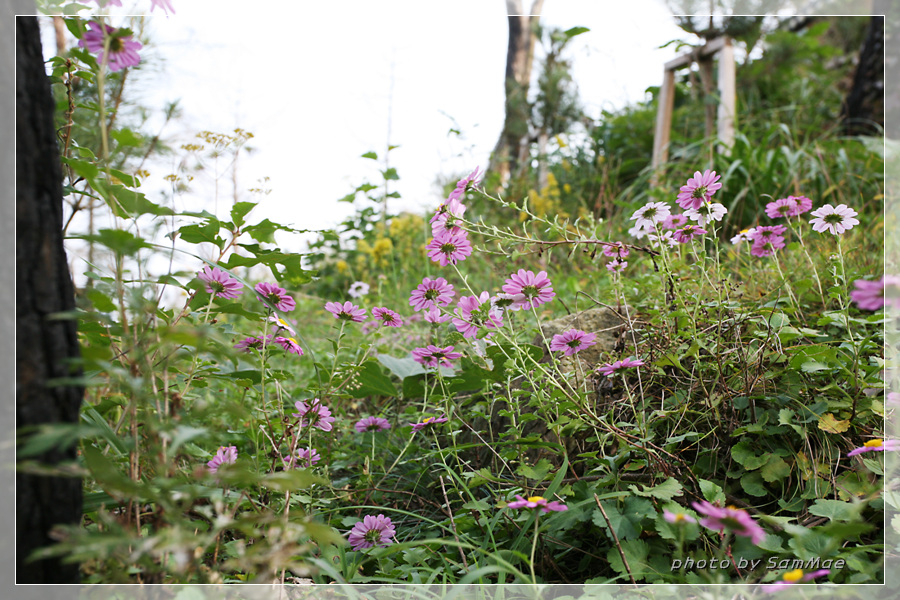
616 539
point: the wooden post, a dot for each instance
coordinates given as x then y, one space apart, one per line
726 111
727 98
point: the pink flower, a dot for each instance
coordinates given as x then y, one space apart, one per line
251 342
572 341
734 519
699 189
446 216
122 49
617 250
609 369
871 295
372 424
449 248
650 214
276 296
314 414
463 184
346 311
802 204
166 5
474 312
372 531
616 265
305 457
220 282
836 219
687 233
678 518
388 317
431 293
427 422
767 239
876 446
674 221
537 502
289 344
529 290
783 207
434 316
792 578
768 232
225 455
433 356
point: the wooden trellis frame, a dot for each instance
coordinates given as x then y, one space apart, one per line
725 116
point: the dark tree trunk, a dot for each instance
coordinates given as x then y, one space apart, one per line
45 347
863 110
512 146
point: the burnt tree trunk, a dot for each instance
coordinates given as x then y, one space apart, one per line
511 150
45 347
863 110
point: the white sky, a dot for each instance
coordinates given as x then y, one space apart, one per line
313 85
312 82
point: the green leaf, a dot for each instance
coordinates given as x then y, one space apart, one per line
371 381
664 491
390 174
108 475
83 168
711 491
126 137
636 553
775 469
837 510
118 240
753 484
828 423
183 434
743 453
401 367
370 155
536 473
290 480
239 211
573 31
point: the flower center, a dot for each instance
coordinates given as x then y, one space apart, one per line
448 248
373 535
679 517
535 499
699 192
833 219
650 213
874 443
795 575
431 294
427 420
573 343
530 291
115 44
217 286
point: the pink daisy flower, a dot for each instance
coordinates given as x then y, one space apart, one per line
289 344
433 356
687 233
792 578
346 311
609 369
876 446
537 502
474 312
801 205
225 455
123 50
678 518
387 317
766 247
572 341
699 189
463 184
873 295
304 457
767 232
372 424
434 316
276 296
783 207
449 248
372 531
427 422
254 343
617 250
674 221
220 282
446 217
314 414
733 519
431 293
836 219
616 265
166 5
529 290
647 216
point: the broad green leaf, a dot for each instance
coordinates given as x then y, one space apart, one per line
239 211
636 553
743 453
775 469
664 491
752 483
371 381
829 423
836 510
536 473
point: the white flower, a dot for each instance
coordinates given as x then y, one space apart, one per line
708 211
358 289
650 214
836 219
744 236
